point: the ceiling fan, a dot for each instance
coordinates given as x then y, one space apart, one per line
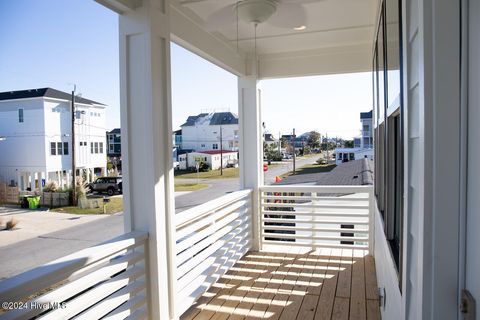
278 13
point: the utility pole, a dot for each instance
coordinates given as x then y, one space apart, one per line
327 147
74 169
293 150
221 152
279 142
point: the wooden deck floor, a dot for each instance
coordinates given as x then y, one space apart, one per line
322 284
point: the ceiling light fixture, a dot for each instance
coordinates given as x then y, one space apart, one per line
300 28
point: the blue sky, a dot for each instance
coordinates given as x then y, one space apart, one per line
56 43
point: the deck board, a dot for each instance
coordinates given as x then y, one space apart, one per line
296 283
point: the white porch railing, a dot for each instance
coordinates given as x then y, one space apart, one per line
317 216
211 238
107 280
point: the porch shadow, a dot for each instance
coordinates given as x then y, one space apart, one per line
319 284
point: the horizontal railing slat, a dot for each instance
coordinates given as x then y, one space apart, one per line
198 212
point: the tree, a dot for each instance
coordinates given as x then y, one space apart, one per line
349 144
313 140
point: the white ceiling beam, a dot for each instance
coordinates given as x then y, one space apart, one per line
120 6
189 34
336 60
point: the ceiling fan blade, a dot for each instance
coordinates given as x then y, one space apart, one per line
294 1
288 15
221 18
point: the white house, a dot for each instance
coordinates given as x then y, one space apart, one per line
35 126
211 157
363 145
206 130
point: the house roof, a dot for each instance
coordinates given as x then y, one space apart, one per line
366 115
116 130
44 92
212 119
216 151
269 137
178 132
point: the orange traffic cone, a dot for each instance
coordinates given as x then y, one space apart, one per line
277 179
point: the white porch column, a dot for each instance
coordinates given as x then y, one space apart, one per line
146 118
69 178
19 180
251 158
31 174
39 177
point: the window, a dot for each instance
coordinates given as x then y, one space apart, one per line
339 156
215 146
65 148
101 147
96 147
202 145
110 137
20 115
59 148
388 127
53 148
91 147
351 156
110 147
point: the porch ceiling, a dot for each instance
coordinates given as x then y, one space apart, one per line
338 37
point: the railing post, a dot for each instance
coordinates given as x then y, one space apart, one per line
371 221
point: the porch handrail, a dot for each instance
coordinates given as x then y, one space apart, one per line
94 280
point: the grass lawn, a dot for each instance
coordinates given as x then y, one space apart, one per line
189 186
213 174
312 168
115 205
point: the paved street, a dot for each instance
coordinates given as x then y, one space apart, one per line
44 236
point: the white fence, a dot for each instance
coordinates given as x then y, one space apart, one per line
105 281
317 216
210 239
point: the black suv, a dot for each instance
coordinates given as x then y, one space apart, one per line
110 185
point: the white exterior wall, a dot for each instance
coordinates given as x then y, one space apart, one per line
26 150
23 149
88 128
213 160
194 137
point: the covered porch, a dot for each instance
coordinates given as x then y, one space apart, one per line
276 252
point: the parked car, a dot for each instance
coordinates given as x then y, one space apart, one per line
110 185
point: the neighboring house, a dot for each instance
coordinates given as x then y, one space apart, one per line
114 149
177 138
270 139
114 143
210 157
202 132
36 126
363 145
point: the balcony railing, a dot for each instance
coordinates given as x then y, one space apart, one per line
317 216
107 280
